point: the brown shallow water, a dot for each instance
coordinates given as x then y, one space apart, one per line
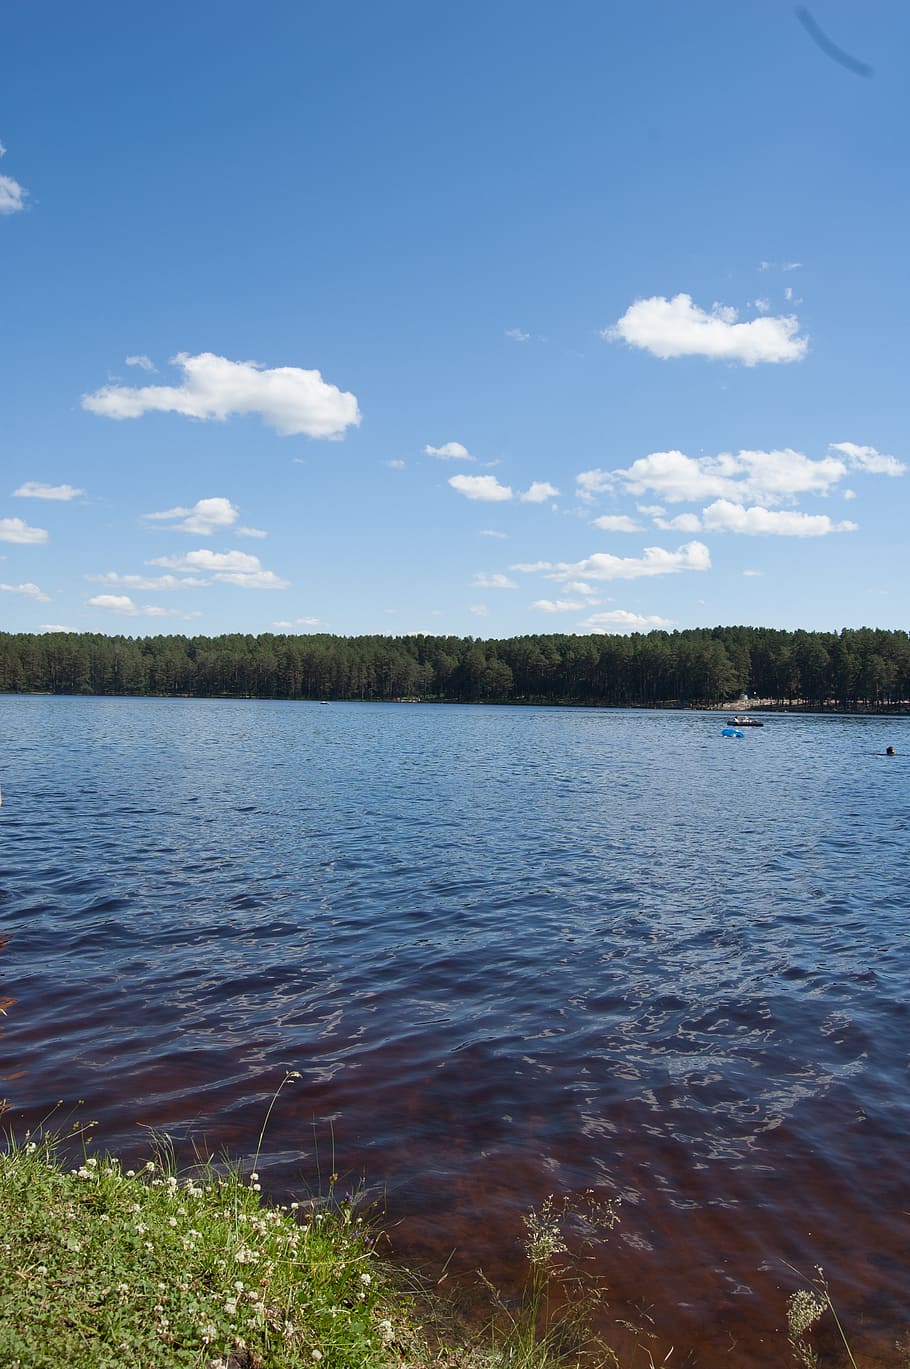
512 953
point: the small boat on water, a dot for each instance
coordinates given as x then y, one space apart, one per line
740 720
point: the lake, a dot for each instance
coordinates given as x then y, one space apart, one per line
512 952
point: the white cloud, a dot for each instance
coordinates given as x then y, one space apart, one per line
538 492
848 494
15 530
13 195
762 305
145 363
482 580
868 459
258 579
617 522
531 567
450 451
396 464
160 583
753 573
491 532
288 399
479 610
771 477
122 603
29 590
683 522
227 567
620 620
788 293
594 482
34 489
517 335
484 487
677 327
724 516
558 605
55 627
655 561
204 518
251 532
579 587
791 266
296 622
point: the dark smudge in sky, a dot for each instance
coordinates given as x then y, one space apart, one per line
828 48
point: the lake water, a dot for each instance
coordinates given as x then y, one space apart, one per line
512 952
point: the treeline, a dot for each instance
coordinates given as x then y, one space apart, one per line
853 669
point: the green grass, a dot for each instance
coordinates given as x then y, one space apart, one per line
106 1268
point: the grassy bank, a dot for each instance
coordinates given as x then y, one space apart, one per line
102 1268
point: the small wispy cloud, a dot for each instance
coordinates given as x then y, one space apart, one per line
538 492
16 530
517 335
485 488
29 590
483 580
143 362
206 517
35 489
12 194
450 451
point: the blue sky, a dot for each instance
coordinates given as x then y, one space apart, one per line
469 319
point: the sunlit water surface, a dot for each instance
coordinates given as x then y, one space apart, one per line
511 952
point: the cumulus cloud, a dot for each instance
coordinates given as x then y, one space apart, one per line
159 583
251 532
450 451
12 194
868 459
483 487
725 516
654 561
226 567
617 522
122 603
558 605
204 518
483 580
29 590
683 522
288 399
538 492
620 620
34 489
677 327
15 530
143 362
771 477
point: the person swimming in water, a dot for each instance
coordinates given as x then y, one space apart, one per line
889 751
